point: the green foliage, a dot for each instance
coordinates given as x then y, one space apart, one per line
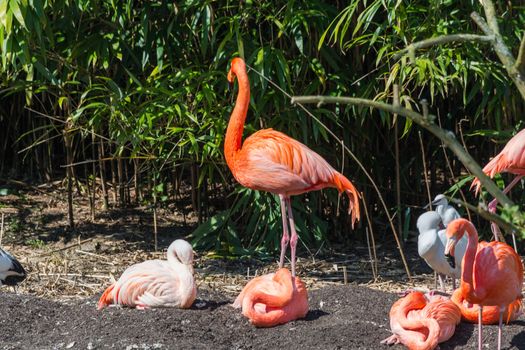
516 216
148 79
36 243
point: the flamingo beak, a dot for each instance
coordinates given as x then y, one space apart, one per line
451 243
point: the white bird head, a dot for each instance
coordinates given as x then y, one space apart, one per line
440 199
429 220
182 251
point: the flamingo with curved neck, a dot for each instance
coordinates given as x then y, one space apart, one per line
421 322
156 283
274 162
492 273
273 299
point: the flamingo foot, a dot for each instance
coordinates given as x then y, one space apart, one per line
141 307
392 340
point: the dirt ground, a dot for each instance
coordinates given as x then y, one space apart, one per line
340 317
54 308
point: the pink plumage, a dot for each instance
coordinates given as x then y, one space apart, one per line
156 283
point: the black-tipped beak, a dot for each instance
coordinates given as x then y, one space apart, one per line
230 85
451 260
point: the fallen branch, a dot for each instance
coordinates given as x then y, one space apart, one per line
76 244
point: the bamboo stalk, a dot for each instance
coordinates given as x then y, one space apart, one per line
120 175
102 170
69 174
424 160
370 231
398 173
113 177
2 230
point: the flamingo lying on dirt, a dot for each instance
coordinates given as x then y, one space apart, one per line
470 312
431 247
273 299
421 322
156 283
492 273
272 161
511 160
11 271
444 209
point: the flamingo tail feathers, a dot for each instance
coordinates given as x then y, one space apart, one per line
496 165
344 185
106 298
514 310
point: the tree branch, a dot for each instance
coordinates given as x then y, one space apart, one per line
490 27
482 24
507 226
447 137
520 61
443 39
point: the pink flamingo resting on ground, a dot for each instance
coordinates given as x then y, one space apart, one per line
273 299
470 312
421 322
156 283
274 162
511 160
492 273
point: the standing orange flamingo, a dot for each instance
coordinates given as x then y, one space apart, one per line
511 160
491 275
274 162
470 312
273 299
421 322
156 283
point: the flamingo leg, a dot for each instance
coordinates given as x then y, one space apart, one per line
453 284
293 237
500 329
492 208
286 236
441 282
480 328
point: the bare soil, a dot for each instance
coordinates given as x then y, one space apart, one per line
68 270
340 317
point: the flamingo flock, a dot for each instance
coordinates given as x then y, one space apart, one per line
490 273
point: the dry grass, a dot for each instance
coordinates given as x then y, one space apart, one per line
62 265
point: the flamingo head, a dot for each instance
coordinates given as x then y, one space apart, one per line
183 251
236 65
455 231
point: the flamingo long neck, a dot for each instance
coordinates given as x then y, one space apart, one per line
467 280
184 272
233 141
173 259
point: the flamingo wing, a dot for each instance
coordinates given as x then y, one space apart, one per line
152 283
498 273
274 162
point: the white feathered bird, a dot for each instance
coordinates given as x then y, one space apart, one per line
447 212
11 271
156 283
431 247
